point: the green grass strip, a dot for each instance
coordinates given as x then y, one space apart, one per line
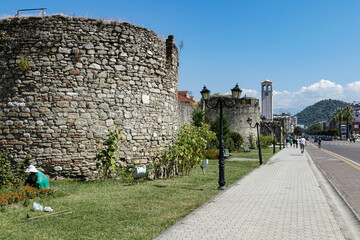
116 210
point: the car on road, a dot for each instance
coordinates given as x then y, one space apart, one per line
326 138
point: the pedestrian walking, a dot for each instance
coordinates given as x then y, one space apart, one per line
291 142
287 142
297 142
302 144
319 142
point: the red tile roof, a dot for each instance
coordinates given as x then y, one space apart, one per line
182 97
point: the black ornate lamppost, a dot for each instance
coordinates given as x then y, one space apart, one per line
221 102
274 134
249 120
280 136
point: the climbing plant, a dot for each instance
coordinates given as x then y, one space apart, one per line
107 155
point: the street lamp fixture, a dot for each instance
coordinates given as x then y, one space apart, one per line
236 92
221 102
249 120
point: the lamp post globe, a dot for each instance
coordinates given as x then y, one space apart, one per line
205 93
236 92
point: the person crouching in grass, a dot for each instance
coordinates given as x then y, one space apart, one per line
36 178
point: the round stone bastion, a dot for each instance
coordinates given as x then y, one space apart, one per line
64 81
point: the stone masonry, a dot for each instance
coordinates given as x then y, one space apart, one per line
245 107
85 76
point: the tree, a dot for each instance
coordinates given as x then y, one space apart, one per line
337 116
215 127
320 111
348 115
298 131
198 117
315 127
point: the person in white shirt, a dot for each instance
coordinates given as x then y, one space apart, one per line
302 144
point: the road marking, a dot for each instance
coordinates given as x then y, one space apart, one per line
345 160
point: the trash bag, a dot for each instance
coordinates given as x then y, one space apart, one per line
37 207
48 209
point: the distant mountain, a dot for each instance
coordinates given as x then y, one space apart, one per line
320 111
292 111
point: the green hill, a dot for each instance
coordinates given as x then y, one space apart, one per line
320 111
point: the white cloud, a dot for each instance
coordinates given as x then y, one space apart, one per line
323 89
308 95
249 93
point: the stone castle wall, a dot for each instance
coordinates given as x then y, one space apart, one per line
185 113
245 107
85 76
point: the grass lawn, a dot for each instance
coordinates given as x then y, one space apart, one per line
116 210
254 154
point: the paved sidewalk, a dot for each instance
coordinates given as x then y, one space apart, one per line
280 200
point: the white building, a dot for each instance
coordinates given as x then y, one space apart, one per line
267 100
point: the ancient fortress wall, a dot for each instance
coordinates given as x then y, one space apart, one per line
185 111
85 76
245 107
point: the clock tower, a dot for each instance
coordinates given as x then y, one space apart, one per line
267 100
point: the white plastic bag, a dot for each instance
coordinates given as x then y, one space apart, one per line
48 209
37 207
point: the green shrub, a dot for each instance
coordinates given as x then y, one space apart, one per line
252 141
329 132
229 143
237 140
266 141
213 144
126 172
198 117
187 151
211 153
11 174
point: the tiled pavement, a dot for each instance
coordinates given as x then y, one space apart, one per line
280 200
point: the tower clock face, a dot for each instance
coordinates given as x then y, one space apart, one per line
266 93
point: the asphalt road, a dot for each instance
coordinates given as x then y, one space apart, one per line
340 163
346 149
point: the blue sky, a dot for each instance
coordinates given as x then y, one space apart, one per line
309 49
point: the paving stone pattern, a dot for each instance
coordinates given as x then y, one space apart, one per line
280 200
